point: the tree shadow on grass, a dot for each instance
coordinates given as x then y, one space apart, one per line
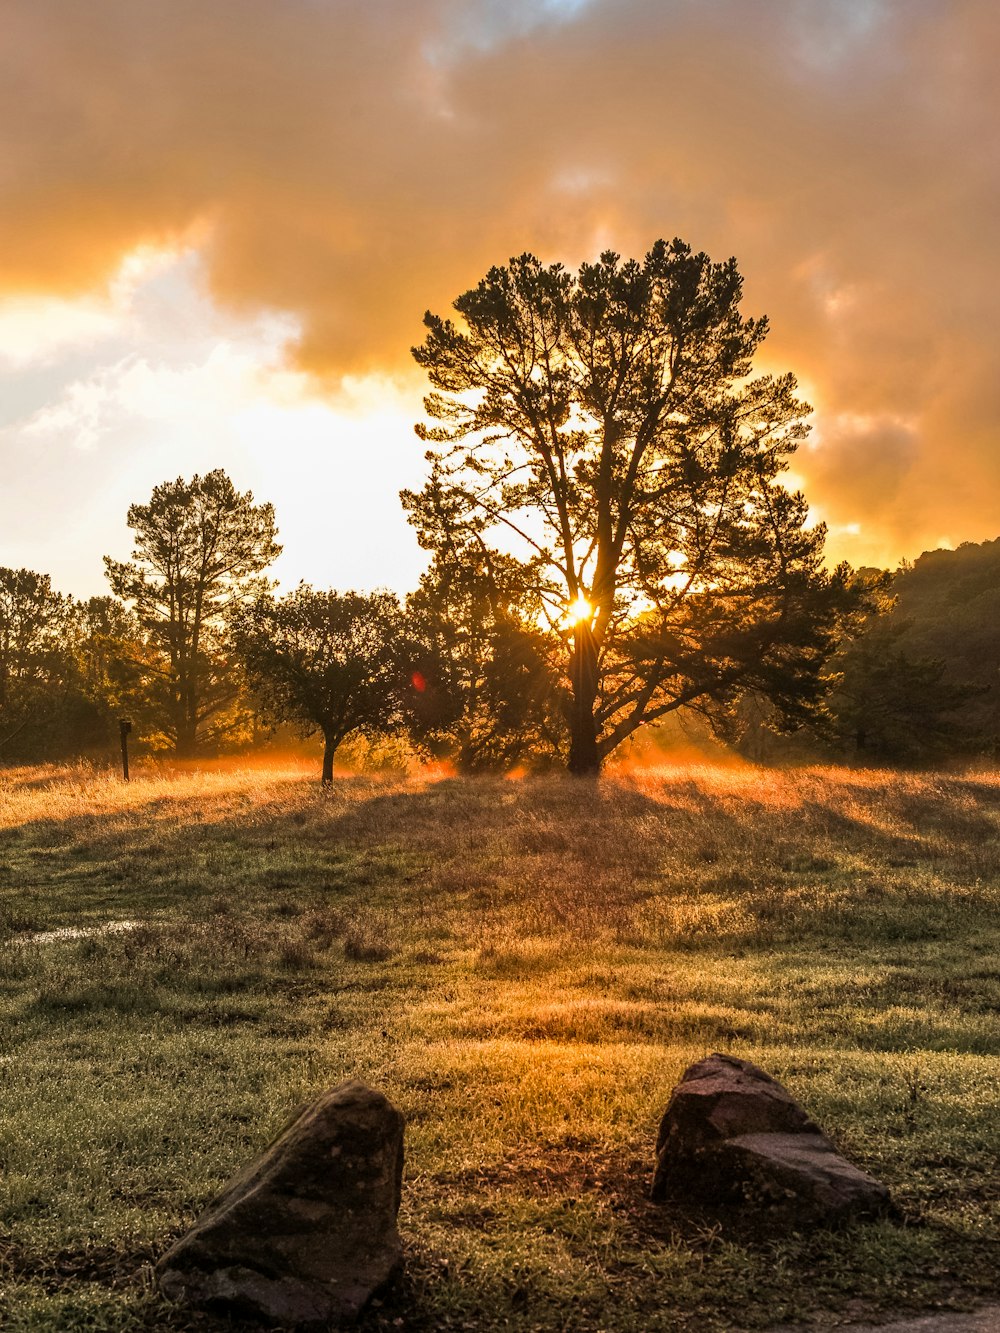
172 852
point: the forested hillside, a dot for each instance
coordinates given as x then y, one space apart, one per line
923 681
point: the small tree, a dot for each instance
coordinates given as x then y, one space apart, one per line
605 429
325 661
200 550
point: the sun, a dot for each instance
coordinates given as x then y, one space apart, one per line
579 611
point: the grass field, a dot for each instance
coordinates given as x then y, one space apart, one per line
525 968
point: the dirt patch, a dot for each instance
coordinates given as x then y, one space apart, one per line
104 1264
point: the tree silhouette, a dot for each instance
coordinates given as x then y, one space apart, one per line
484 694
604 428
950 603
112 664
922 680
326 661
33 625
68 669
200 550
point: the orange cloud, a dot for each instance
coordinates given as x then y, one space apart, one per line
356 161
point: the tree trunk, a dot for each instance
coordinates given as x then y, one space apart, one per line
583 757
187 738
329 746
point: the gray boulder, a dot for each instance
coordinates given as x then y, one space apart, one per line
733 1134
306 1234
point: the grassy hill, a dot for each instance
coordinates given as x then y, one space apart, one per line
525 968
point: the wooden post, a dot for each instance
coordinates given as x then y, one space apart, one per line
124 727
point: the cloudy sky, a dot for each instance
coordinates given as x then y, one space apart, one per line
221 222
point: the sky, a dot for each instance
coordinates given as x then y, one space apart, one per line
221 222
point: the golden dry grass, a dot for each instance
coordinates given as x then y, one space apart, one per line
526 967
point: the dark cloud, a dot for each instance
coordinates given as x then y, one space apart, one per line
355 161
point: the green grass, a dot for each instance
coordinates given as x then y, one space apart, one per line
525 968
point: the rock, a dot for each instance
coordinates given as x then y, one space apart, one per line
733 1134
803 1174
306 1234
721 1097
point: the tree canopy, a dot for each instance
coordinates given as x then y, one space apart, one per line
604 429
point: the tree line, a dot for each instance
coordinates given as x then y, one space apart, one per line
610 540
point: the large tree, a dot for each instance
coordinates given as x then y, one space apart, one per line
324 661
605 428
200 550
